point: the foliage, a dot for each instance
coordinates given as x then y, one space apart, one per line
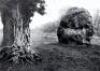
76 19
27 7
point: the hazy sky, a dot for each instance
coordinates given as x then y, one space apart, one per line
55 8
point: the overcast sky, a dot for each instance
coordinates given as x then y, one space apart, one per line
55 8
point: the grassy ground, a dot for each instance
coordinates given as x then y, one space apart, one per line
59 57
38 37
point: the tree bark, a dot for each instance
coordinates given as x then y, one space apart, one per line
16 31
8 32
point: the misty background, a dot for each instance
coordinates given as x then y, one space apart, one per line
43 28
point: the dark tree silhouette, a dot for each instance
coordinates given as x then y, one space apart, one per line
16 16
78 22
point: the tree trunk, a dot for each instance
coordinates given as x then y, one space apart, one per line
8 32
15 31
16 37
21 32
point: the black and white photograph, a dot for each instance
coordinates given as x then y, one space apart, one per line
49 35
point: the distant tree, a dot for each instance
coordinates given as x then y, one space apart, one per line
75 26
96 23
50 27
16 16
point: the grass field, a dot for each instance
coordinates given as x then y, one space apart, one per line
38 37
59 57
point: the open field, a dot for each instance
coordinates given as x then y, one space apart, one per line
38 37
59 57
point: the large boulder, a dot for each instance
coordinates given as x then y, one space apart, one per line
75 27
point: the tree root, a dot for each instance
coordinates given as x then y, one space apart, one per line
19 55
